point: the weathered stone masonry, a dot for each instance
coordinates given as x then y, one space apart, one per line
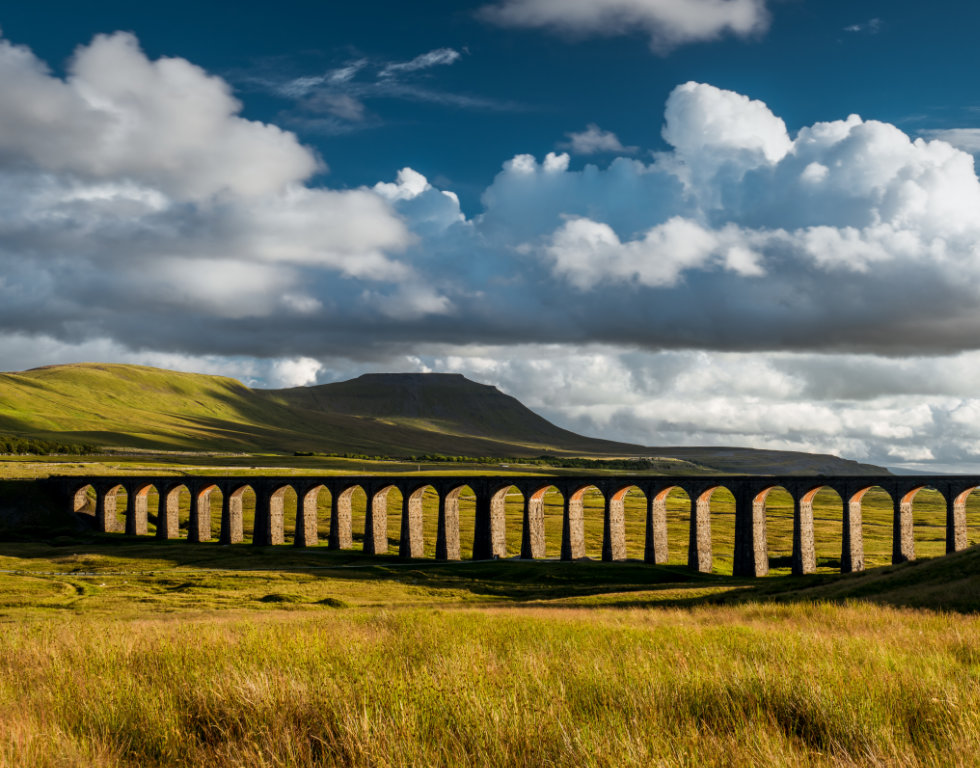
750 492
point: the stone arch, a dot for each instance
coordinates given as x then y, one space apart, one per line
84 500
781 521
199 526
537 511
342 515
411 537
573 538
828 527
957 531
903 533
168 518
533 538
448 545
307 529
594 503
270 522
700 556
668 518
460 529
107 513
288 510
616 525
904 526
233 513
376 520
875 497
514 506
929 517
498 522
138 509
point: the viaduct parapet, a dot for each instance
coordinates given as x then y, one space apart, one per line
750 549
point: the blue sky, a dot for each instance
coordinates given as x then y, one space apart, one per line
907 63
745 222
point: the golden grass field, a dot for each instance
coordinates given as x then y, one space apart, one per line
122 652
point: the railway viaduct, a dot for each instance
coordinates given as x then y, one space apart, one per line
750 548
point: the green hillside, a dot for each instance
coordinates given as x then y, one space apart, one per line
950 583
126 406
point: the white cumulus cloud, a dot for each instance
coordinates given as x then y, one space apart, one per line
967 139
594 140
165 123
587 252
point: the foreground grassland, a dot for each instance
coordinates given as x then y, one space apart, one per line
115 654
134 652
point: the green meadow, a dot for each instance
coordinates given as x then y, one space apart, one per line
117 651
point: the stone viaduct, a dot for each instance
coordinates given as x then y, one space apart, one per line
750 549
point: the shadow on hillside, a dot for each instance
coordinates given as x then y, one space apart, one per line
949 583
509 579
946 584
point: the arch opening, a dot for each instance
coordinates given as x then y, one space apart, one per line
927 509
873 513
959 533
585 520
84 501
828 513
139 518
313 512
512 499
416 510
347 518
713 528
234 522
273 508
546 511
630 504
490 524
174 513
379 527
668 534
207 503
110 510
459 508
784 541
291 513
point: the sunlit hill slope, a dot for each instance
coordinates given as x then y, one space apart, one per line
125 406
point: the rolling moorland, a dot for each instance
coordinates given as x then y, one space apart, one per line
117 651
396 415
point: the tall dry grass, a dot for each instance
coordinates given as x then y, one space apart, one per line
806 685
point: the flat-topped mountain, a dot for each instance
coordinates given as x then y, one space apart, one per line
127 406
448 401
